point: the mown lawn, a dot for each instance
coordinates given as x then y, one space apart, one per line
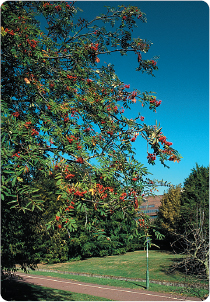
129 265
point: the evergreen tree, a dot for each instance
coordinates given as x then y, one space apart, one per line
195 200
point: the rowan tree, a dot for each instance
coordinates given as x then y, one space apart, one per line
63 110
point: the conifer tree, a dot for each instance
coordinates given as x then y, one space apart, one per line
195 199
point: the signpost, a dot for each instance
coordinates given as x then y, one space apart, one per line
147 272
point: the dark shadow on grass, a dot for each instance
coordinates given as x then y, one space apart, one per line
131 282
15 290
170 269
179 266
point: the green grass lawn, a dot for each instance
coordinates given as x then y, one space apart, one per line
129 265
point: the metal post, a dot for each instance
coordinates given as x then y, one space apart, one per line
147 272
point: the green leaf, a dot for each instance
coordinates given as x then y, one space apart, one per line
28 204
58 182
14 181
48 226
9 172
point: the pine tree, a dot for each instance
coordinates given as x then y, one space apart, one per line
195 200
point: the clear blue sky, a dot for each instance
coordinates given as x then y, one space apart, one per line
179 32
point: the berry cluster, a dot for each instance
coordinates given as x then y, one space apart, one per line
162 139
133 138
151 157
87 129
32 43
16 154
70 140
80 160
58 8
141 222
93 47
123 195
34 132
155 102
27 124
100 189
16 114
11 32
133 96
81 194
70 77
69 176
46 4
110 132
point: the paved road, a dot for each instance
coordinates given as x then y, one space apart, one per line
109 292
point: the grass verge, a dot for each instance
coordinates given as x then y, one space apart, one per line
190 292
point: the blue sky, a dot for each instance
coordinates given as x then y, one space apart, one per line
180 37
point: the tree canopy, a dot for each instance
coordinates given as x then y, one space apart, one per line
64 112
169 211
